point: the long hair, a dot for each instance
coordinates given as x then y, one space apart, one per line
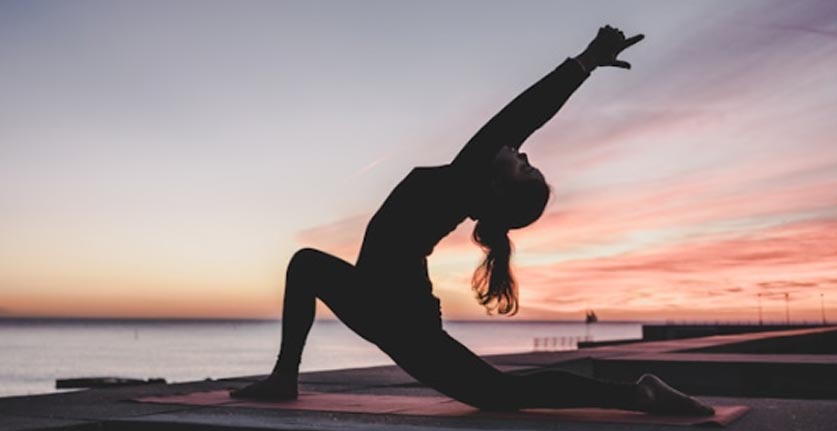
493 281
518 206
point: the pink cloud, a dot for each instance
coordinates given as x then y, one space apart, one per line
718 273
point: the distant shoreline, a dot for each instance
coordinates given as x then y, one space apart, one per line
171 320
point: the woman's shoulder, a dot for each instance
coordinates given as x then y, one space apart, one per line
449 174
441 170
450 178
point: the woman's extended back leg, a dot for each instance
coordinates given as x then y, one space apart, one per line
444 364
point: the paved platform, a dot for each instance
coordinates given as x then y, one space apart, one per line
113 408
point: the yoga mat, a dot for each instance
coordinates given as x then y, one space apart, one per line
443 407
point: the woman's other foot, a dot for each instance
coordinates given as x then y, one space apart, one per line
273 388
656 397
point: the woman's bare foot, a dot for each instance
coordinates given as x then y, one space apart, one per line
658 398
273 388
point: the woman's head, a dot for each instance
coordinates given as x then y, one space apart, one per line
516 194
516 197
511 166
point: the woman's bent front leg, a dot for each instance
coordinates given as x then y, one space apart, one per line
311 274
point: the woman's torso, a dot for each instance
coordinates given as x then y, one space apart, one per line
428 204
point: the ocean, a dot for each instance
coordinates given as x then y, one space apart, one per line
34 353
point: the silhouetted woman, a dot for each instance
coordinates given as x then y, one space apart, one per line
386 297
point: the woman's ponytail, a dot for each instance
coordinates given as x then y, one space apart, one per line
493 281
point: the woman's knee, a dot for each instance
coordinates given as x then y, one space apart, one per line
309 265
303 261
448 367
305 256
494 395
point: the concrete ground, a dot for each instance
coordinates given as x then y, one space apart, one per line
782 403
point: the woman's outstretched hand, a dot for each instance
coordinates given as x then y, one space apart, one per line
602 51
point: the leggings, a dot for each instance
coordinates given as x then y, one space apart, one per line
429 355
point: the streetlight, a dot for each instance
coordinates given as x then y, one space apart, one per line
787 308
822 307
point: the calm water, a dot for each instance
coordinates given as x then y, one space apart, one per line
33 354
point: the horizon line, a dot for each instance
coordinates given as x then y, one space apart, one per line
79 319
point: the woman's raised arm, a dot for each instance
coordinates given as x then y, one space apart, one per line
525 114
540 102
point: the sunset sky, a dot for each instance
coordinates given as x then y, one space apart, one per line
166 159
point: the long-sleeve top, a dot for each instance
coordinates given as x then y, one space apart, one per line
430 202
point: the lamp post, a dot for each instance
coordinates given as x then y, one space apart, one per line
822 307
760 319
787 308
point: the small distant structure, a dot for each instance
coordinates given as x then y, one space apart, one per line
591 317
559 344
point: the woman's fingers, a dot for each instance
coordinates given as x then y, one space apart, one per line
633 40
620 63
626 44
